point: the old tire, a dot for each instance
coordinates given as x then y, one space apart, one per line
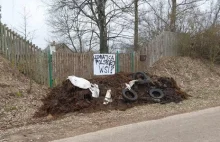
129 95
156 93
142 77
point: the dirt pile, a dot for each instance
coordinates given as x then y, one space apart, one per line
17 105
68 98
197 77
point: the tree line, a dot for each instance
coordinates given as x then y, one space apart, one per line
107 25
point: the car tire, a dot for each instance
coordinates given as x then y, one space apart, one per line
129 95
144 78
156 93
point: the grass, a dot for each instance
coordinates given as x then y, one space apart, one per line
10 108
19 94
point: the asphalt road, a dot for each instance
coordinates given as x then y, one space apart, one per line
200 126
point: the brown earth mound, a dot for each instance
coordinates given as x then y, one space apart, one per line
68 98
17 103
197 77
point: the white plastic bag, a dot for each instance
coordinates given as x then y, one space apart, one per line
108 97
95 90
85 84
79 82
131 83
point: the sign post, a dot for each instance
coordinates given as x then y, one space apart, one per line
117 62
50 53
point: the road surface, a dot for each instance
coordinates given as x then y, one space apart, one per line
200 126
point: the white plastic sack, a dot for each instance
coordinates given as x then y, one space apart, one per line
95 90
79 82
131 83
85 84
108 98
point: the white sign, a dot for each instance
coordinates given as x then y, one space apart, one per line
104 64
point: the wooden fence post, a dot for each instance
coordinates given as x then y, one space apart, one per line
117 63
1 37
50 65
132 62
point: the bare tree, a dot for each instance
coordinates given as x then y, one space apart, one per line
100 13
216 13
136 46
173 16
72 31
170 15
24 27
28 37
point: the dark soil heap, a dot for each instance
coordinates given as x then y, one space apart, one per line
68 98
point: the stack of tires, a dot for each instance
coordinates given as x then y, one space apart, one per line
131 96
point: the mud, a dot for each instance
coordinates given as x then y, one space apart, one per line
67 98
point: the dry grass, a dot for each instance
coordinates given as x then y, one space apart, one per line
192 75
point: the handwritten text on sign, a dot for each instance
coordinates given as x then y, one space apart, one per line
104 64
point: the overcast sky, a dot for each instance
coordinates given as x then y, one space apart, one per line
12 16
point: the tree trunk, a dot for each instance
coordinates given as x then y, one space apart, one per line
103 39
80 41
173 17
102 26
80 45
136 46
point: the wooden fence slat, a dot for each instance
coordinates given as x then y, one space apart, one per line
1 35
91 65
61 65
62 61
5 41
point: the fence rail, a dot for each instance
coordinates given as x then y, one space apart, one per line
33 62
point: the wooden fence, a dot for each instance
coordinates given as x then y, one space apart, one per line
81 64
33 62
165 44
25 56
